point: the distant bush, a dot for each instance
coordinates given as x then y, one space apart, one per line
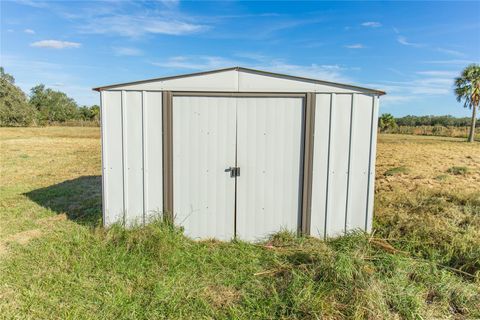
53 106
441 131
14 107
458 170
45 106
445 121
395 171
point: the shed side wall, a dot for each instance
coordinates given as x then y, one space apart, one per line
343 163
132 159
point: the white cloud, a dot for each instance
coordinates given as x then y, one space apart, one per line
451 52
33 3
126 51
137 25
355 46
29 31
431 83
371 24
333 73
389 99
438 73
255 61
403 40
452 62
55 44
196 62
169 3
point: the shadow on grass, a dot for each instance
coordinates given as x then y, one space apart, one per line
80 199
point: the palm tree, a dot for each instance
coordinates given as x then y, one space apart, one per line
467 88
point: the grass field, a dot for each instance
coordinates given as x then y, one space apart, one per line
422 261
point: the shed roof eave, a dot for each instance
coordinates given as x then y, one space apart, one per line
261 72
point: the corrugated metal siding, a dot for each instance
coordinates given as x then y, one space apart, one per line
125 154
269 141
203 147
338 168
320 164
153 160
113 157
341 163
359 159
132 148
269 154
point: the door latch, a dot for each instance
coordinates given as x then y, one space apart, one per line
234 171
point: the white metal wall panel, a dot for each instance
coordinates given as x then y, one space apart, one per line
239 81
220 81
133 151
203 147
320 164
269 154
373 153
359 162
253 82
113 163
256 82
338 164
153 159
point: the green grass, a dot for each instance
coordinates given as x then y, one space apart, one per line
56 262
458 170
396 170
155 272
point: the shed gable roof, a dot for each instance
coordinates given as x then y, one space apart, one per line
238 79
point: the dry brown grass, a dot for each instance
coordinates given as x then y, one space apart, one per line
426 158
427 226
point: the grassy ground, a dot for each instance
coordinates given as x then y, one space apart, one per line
423 260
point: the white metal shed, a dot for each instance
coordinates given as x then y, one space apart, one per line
239 153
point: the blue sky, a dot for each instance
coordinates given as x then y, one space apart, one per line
413 50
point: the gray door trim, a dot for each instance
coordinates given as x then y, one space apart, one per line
167 142
307 163
309 133
236 94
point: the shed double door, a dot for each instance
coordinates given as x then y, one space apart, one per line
262 136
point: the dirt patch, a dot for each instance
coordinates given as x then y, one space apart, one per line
50 220
221 296
21 238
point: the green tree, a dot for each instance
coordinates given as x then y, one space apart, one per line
14 107
467 89
89 113
387 121
53 106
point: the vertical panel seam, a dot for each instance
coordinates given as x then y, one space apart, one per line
124 175
235 213
352 112
332 102
143 158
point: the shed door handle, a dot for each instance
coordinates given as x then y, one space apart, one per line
234 171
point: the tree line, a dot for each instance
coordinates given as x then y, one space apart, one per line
42 106
387 120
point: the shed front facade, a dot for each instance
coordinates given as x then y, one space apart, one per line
239 153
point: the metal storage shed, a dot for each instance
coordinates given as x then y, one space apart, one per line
239 153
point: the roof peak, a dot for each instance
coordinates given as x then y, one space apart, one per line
244 69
